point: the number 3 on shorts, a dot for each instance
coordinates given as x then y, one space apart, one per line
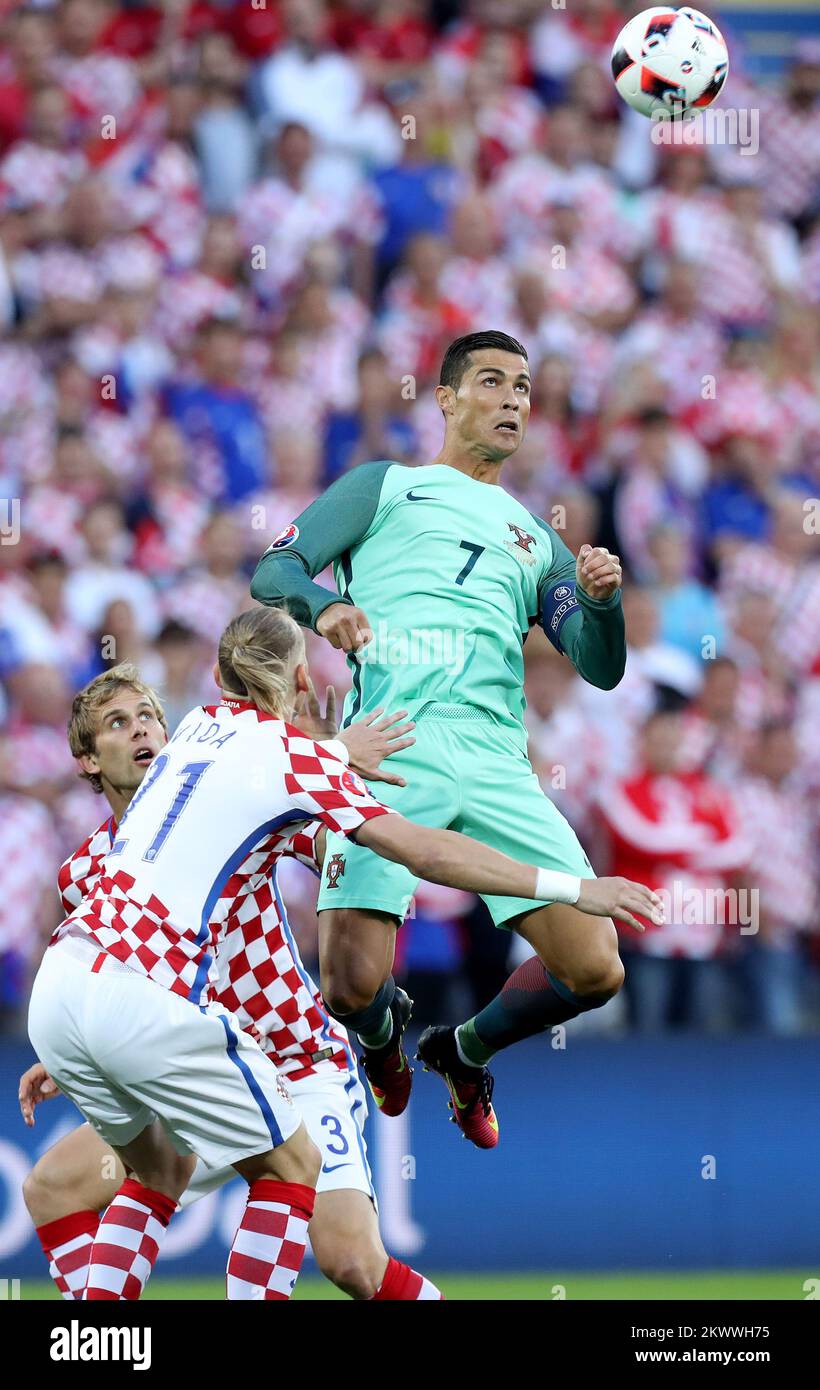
331 1122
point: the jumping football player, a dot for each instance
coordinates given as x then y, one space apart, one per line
441 573
157 1078
117 729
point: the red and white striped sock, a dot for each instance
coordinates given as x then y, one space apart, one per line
401 1284
127 1242
66 1245
269 1246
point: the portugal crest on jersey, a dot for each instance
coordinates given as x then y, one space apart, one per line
334 870
522 545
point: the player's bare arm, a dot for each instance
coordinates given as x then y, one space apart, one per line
444 856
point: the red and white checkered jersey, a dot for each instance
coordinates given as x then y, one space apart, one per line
80 873
787 879
37 175
261 976
24 874
203 832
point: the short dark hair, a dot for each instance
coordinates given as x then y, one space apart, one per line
457 357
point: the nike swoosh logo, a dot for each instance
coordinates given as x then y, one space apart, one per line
414 497
333 1166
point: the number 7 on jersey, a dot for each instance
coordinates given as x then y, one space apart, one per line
475 551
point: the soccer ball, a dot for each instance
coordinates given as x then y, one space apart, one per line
669 62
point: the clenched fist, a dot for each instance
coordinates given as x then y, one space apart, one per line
597 572
344 626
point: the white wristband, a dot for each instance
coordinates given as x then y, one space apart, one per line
552 886
337 748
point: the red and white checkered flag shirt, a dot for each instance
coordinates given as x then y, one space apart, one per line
194 853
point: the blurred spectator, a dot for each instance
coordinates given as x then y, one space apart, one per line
308 81
712 737
30 39
225 137
218 417
783 870
690 614
185 678
679 833
376 429
214 589
105 574
413 195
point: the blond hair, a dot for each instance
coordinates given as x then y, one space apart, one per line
87 703
256 653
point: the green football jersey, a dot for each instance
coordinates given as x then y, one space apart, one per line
452 574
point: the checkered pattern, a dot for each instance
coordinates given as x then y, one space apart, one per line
336 797
25 876
269 1246
33 174
123 916
261 977
786 879
80 873
127 1243
67 1246
98 84
138 932
790 146
299 217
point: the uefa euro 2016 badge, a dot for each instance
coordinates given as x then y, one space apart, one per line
353 783
284 539
522 545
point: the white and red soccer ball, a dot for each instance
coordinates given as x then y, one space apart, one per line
669 62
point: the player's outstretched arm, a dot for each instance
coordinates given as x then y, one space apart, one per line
444 856
323 532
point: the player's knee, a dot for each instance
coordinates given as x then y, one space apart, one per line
356 1269
349 985
354 1277
44 1195
599 979
345 996
170 1176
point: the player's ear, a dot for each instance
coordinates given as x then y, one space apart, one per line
445 397
89 764
301 679
217 674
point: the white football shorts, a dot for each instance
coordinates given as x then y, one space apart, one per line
125 1050
334 1109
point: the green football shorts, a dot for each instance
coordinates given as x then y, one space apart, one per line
463 773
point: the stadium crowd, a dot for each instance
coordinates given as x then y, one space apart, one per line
236 237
